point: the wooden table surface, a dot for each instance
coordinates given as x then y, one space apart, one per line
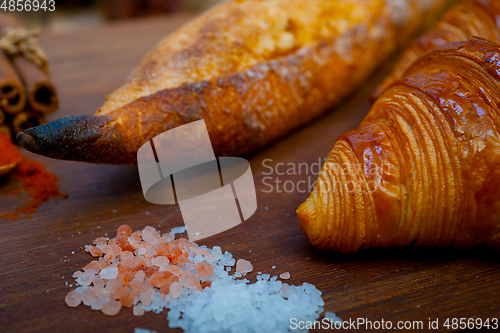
36 255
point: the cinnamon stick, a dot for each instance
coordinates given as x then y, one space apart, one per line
12 93
27 119
42 95
40 91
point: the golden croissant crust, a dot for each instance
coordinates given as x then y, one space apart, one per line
423 168
252 69
479 18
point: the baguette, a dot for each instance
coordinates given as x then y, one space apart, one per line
423 168
253 70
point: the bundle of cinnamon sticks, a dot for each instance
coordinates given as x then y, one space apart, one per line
26 91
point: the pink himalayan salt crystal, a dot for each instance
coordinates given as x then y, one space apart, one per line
101 292
86 278
95 251
135 244
189 280
139 276
98 282
175 270
188 266
158 261
73 298
88 296
204 269
139 285
243 266
112 285
175 290
285 276
106 248
196 251
111 308
138 310
127 259
145 299
120 291
110 256
100 240
94 265
109 294
109 273
150 235
98 302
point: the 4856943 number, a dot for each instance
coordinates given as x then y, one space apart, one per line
28 5
471 323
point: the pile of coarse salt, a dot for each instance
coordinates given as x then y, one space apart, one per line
149 271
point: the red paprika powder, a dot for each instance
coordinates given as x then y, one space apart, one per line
8 151
40 184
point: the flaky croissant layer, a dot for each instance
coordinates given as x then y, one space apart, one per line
423 168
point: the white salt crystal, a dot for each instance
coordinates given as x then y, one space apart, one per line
236 306
333 318
109 273
142 330
178 230
213 257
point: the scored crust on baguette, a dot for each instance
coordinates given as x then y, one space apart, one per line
423 167
252 69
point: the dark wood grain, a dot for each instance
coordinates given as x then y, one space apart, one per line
36 258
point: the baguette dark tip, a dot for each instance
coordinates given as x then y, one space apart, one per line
26 141
76 138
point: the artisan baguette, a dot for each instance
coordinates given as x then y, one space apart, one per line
253 70
480 18
423 168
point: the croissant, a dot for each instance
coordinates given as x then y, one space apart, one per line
423 167
480 18
253 70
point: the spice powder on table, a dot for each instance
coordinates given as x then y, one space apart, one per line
40 184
